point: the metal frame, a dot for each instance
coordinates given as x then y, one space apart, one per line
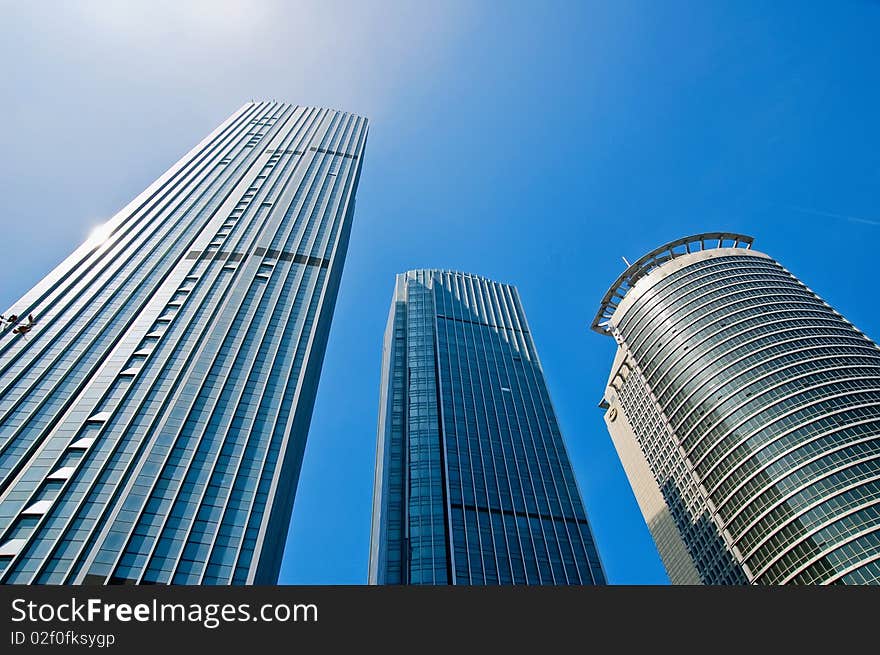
656 258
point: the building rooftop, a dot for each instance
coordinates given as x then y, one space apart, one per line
658 257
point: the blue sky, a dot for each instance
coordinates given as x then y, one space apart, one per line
532 142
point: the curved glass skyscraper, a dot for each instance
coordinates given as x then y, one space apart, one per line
746 413
473 482
153 415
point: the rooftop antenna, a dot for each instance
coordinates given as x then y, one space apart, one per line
625 262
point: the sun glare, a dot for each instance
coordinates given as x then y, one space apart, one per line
99 234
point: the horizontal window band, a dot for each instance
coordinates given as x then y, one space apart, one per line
491 325
531 515
333 152
280 255
285 152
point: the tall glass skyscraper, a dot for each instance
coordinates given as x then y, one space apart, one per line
154 411
746 413
473 483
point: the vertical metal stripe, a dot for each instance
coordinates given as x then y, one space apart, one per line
224 315
336 258
248 271
44 518
332 129
61 330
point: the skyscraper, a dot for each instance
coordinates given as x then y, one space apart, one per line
153 418
746 413
473 483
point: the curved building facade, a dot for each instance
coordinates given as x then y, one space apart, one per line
746 413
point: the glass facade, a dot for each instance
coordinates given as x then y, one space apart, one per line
757 408
473 482
153 419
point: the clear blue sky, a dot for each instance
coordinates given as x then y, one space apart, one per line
534 143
